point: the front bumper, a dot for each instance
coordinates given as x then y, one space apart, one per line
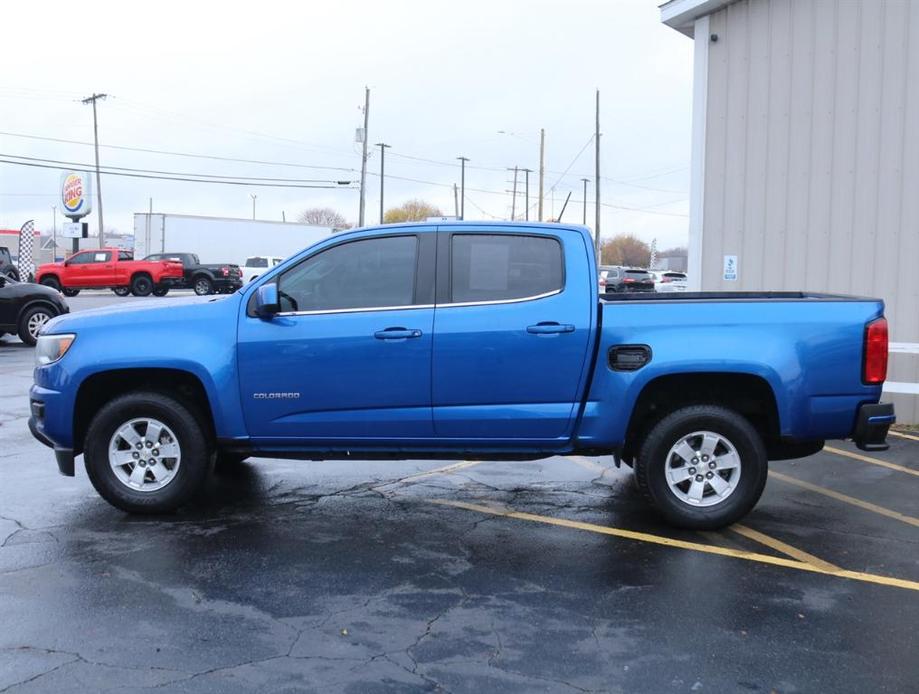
871 425
64 456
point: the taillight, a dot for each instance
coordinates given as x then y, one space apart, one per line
225 271
628 279
874 368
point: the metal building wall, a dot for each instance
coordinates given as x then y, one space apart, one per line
812 155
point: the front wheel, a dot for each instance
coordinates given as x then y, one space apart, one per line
70 292
145 452
121 291
703 467
31 323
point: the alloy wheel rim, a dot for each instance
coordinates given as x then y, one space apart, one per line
703 469
37 322
201 287
144 454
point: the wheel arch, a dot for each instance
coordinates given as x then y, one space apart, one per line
749 394
98 388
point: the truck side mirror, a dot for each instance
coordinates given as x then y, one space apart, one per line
266 300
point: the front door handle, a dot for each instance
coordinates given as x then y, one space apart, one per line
396 333
550 328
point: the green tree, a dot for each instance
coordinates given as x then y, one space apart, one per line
411 211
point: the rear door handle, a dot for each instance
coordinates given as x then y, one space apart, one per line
550 328
396 333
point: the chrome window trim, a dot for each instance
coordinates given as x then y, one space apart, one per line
376 309
492 302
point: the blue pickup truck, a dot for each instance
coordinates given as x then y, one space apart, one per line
461 340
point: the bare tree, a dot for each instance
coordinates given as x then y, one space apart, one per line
411 211
625 249
324 217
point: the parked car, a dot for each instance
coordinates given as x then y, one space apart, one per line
109 268
7 268
509 353
669 281
615 278
258 265
204 279
25 308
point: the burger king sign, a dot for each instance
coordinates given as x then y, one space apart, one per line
76 194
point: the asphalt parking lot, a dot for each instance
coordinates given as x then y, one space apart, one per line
548 576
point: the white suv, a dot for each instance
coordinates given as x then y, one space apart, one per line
258 265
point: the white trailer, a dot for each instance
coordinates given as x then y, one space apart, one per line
221 239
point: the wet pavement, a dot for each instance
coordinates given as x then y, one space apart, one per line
548 576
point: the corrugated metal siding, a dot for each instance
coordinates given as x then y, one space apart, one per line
812 154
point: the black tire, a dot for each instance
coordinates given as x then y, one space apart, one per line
652 463
31 322
160 291
51 282
70 292
203 285
141 285
121 291
189 434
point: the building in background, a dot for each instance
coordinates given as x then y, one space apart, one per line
806 155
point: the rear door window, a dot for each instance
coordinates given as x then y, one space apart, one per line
502 267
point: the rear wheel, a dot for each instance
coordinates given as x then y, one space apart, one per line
703 467
70 292
121 291
51 282
203 286
141 285
32 321
160 291
145 453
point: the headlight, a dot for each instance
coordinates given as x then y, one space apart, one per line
50 348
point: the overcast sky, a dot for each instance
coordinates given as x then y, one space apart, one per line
284 82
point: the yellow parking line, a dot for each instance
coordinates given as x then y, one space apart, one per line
683 544
446 470
901 435
873 461
782 547
874 508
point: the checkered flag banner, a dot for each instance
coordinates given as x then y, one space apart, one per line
26 242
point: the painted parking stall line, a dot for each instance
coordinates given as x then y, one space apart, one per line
871 460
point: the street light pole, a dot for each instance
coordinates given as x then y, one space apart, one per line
360 215
462 205
92 100
54 234
383 146
584 220
253 196
514 198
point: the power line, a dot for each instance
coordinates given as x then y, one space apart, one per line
88 169
176 173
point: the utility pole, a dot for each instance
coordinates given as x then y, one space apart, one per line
456 202
360 215
597 178
92 100
542 165
586 181
527 173
514 198
382 146
462 207
253 196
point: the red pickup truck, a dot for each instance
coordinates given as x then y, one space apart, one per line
110 268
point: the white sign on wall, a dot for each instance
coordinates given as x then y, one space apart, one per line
730 268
